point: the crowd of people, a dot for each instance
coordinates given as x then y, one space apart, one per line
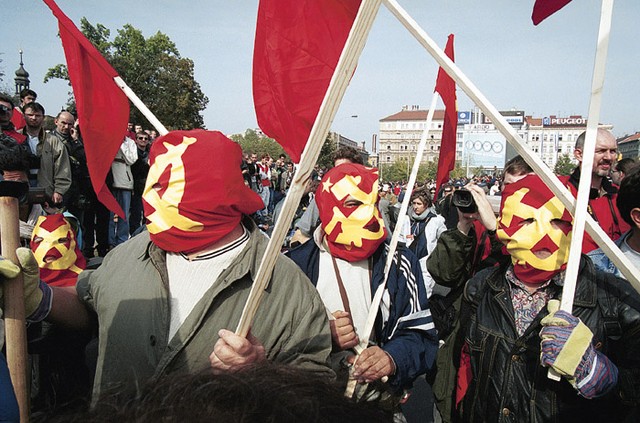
468 299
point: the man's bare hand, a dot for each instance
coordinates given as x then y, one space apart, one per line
373 364
232 352
343 333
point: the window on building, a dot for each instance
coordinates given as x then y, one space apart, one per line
388 158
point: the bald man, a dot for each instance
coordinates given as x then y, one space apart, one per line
602 198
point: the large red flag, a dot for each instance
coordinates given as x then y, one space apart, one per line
103 109
297 47
542 9
446 87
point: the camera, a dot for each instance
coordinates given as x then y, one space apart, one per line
463 200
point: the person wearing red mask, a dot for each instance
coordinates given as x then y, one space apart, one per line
164 301
345 260
515 331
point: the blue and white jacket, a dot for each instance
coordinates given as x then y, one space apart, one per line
604 263
409 334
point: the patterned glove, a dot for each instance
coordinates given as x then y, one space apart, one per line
37 294
566 347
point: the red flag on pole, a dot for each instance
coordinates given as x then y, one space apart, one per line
446 87
103 109
542 9
297 47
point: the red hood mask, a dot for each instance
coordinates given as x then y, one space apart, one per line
54 246
195 193
536 230
347 201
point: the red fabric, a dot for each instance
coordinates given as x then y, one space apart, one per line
446 87
297 47
18 120
600 210
20 138
353 231
465 375
542 9
195 192
103 109
55 247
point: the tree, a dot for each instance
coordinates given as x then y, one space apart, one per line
564 166
253 142
154 70
325 159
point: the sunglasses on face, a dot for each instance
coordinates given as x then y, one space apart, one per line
143 138
4 109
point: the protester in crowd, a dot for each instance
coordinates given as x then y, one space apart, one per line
422 231
384 205
170 294
309 220
346 260
264 172
18 119
6 112
515 332
628 203
9 411
139 171
460 253
602 196
121 188
53 170
622 169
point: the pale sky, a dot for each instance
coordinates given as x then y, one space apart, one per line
544 70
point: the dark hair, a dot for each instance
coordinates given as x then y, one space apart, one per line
26 91
517 166
423 195
7 99
348 153
35 106
12 155
263 393
625 165
629 195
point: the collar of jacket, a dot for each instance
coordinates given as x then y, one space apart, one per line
586 291
247 261
608 186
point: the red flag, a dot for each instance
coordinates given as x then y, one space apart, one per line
297 47
542 9
446 87
103 109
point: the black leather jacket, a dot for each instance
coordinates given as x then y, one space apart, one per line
510 385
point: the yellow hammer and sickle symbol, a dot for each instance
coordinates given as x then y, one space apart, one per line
167 213
352 228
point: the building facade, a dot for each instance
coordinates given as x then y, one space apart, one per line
629 147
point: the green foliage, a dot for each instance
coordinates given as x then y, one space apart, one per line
400 171
564 166
252 142
458 171
325 159
154 70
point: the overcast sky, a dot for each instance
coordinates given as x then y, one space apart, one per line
544 70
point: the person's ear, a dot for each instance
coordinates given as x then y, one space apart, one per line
577 153
635 216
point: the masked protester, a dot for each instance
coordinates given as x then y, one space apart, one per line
346 262
166 299
55 247
515 332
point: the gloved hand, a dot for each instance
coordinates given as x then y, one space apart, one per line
566 347
37 294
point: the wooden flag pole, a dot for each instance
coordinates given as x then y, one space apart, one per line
337 87
141 106
393 246
14 314
593 229
588 151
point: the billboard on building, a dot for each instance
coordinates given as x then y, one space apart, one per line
564 121
513 117
486 149
464 118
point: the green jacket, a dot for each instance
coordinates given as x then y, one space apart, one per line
129 293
